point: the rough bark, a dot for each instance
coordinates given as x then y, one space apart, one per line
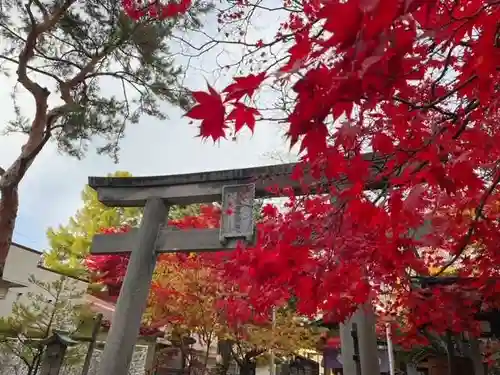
9 204
224 349
247 368
247 364
37 137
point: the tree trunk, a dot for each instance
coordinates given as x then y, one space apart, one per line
247 368
9 204
39 132
10 178
224 349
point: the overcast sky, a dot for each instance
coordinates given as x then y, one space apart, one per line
50 192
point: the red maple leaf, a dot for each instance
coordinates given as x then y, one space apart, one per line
211 111
137 9
244 86
243 115
416 82
314 141
298 52
216 267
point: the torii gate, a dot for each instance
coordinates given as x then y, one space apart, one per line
236 188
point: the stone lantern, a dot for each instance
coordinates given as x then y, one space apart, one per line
55 349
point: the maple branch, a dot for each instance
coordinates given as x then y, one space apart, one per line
433 103
470 232
253 354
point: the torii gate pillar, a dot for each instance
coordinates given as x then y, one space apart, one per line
124 330
359 343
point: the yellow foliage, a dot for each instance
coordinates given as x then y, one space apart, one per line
450 271
289 335
185 296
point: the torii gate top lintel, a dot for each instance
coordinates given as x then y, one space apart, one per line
188 188
192 178
199 187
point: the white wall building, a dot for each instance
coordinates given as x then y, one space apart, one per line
23 262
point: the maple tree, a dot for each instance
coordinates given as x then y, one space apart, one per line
191 294
399 98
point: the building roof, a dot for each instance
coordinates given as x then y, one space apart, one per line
6 284
27 248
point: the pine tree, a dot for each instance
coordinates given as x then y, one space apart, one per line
90 71
56 305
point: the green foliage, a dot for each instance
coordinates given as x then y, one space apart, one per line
107 70
178 212
70 244
257 209
56 305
